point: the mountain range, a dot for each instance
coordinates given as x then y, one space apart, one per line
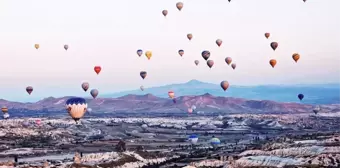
152 105
208 98
314 94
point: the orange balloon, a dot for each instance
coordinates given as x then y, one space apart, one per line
272 62
296 57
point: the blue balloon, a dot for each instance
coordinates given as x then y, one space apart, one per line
76 101
193 136
301 96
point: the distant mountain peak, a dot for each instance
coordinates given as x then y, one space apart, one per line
194 81
207 94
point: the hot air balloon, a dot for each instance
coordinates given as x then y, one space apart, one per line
179 5
228 60
189 36
233 65
272 62
193 107
29 89
25 123
304 0
206 54
165 12
224 85
171 94
4 109
85 86
219 42
36 46
89 110
296 57
301 96
38 122
197 62
210 63
142 88
181 52
215 141
76 108
316 109
148 54
229 0
6 115
66 47
143 74
193 139
274 45
139 52
97 69
94 93
267 35
189 110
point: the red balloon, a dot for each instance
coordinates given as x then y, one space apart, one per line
97 69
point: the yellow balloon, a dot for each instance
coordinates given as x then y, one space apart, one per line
148 54
36 46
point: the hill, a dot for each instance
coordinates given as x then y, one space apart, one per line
314 94
150 104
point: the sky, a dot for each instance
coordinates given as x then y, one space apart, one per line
109 32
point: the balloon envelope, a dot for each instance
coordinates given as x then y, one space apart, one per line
4 109
197 62
228 60
296 57
233 65
143 74
301 96
206 54
76 107
179 5
94 93
165 12
181 52
29 89
316 109
272 62
85 86
171 94
142 88
189 36
6 115
224 85
66 47
267 35
97 69
36 46
215 141
148 54
139 52
219 42
274 45
210 63
193 107
193 138
190 110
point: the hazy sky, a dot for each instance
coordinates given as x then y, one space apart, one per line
108 33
